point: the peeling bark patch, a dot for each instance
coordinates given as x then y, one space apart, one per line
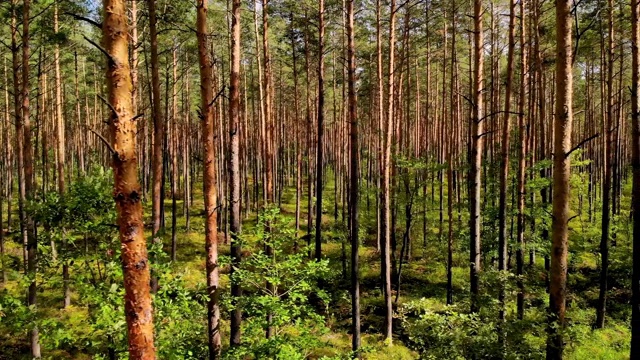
141 264
133 315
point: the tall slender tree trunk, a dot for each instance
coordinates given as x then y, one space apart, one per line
28 232
635 162
524 80
269 143
354 190
134 90
173 145
60 147
234 170
385 195
380 116
158 124
504 166
59 116
476 153
209 179
449 157
298 136
607 164
320 135
127 191
561 175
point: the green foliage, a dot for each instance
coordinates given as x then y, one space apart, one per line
454 334
284 285
448 334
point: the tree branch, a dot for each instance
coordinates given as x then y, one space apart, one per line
498 112
580 144
106 143
137 117
102 50
109 105
216 97
85 19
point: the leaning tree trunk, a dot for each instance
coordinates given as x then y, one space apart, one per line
126 190
561 175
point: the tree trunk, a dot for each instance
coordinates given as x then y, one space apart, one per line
635 153
522 148
476 153
561 175
320 135
158 125
174 154
209 178
504 170
234 170
127 191
354 191
607 164
268 140
385 198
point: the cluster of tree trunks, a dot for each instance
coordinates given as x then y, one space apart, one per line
236 160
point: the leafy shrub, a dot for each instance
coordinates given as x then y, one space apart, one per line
291 300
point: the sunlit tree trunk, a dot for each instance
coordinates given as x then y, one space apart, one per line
127 191
209 179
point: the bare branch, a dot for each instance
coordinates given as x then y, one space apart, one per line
108 104
580 144
102 50
105 141
85 19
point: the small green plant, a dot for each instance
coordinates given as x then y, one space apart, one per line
281 294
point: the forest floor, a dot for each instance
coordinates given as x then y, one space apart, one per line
424 277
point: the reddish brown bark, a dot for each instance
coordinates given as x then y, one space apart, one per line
127 192
209 178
